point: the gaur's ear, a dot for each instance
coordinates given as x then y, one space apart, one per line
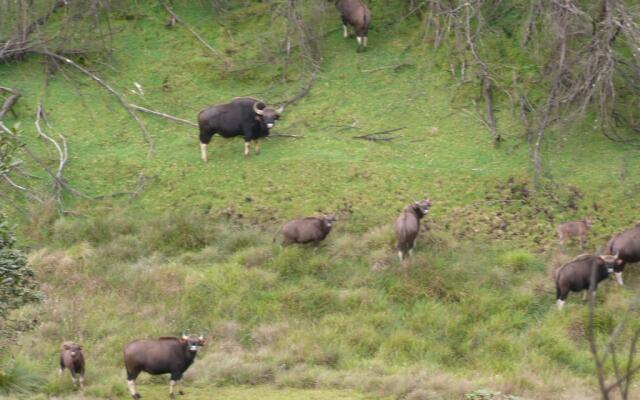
618 261
65 346
79 347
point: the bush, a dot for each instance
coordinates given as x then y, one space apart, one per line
18 377
18 285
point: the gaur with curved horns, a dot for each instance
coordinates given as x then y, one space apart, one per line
626 245
576 275
243 116
166 355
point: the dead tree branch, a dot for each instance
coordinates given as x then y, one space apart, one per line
177 18
162 115
20 44
146 136
377 136
14 95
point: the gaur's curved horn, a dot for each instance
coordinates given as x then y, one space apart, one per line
201 337
256 110
184 336
280 109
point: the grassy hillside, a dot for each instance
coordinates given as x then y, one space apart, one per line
474 308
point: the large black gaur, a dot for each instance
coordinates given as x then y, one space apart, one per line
575 276
166 355
243 116
626 245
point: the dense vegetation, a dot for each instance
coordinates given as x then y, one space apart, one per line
158 242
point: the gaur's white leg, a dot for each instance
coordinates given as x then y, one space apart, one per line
256 146
560 304
359 39
60 371
400 255
203 151
345 32
180 386
618 276
172 383
246 149
584 295
81 381
132 388
365 41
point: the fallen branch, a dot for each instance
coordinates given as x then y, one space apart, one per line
395 67
385 132
162 115
14 95
20 44
93 76
194 33
284 135
139 186
377 138
305 89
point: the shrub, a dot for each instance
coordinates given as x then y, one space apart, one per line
18 285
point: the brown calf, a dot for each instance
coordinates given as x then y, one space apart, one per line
568 230
72 359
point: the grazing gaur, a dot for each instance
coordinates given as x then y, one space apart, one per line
72 359
166 355
575 275
244 116
626 245
567 230
408 226
356 14
307 230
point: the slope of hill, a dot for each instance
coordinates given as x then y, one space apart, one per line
193 250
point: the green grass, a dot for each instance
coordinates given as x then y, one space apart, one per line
473 309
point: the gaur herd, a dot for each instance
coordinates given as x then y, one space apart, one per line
252 119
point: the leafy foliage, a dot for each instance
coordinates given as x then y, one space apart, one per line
17 281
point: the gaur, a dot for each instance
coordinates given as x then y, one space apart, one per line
166 355
356 14
243 116
408 226
626 245
72 359
575 276
307 230
567 230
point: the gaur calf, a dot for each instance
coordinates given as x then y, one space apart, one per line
307 230
408 226
72 359
356 14
166 355
626 245
576 275
579 229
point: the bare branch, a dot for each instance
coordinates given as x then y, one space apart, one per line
121 100
177 18
163 115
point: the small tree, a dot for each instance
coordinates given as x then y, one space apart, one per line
17 281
